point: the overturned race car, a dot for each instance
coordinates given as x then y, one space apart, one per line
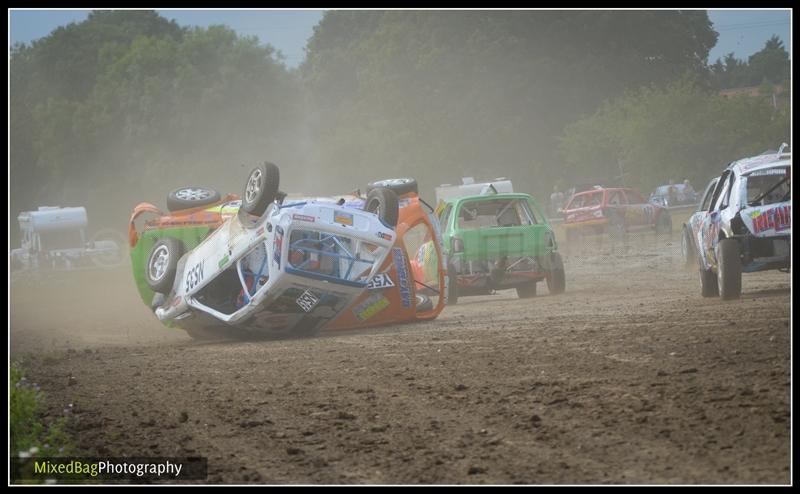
269 265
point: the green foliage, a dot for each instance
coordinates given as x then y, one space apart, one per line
439 95
29 436
673 131
771 64
126 105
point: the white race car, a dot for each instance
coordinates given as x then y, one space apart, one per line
744 224
278 266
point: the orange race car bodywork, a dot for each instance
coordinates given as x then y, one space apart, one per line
398 304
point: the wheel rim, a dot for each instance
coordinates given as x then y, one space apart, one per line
374 206
158 263
253 186
193 194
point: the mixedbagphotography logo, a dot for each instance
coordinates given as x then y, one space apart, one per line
134 469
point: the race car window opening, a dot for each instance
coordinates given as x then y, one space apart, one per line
434 290
419 241
763 189
495 213
331 256
525 212
707 197
445 215
586 200
224 293
718 190
616 199
725 196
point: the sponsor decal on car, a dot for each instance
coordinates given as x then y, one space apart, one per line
380 280
307 301
343 218
777 218
382 235
303 217
195 275
222 262
371 306
402 276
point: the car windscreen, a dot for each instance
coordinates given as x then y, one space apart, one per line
586 200
768 186
494 213
332 256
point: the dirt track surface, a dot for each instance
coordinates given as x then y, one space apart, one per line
628 378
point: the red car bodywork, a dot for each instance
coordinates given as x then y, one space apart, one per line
594 210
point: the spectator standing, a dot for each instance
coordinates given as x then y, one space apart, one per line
556 200
672 194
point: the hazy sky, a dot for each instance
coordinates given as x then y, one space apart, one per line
742 32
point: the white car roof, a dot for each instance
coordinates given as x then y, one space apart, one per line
761 162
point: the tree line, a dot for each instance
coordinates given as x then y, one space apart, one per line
126 105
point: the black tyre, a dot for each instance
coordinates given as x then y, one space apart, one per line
729 269
261 188
527 290
687 249
452 286
399 186
384 203
162 264
708 283
191 197
424 303
556 279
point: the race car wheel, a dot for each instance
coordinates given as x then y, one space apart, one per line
729 269
261 188
556 279
162 264
452 286
687 249
191 197
399 186
527 290
384 203
708 283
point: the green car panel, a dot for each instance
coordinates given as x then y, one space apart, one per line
191 236
483 242
497 241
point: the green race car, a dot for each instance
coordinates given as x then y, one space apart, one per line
494 242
